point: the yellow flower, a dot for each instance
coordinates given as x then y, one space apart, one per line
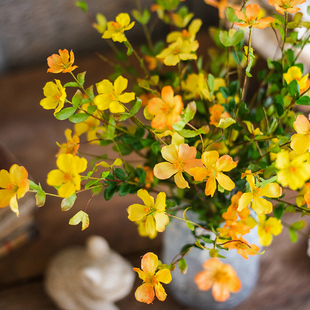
294 73
111 96
67 177
268 228
259 205
177 51
213 171
62 62
14 184
116 29
300 142
294 169
217 113
179 159
72 145
166 109
283 6
151 279
189 34
221 277
152 213
55 96
251 17
304 196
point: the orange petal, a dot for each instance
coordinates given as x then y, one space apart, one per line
145 293
204 280
149 263
220 292
210 186
225 163
252 11
302 125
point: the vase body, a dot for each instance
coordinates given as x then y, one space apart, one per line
183 287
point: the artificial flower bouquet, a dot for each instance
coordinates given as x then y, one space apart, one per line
212 136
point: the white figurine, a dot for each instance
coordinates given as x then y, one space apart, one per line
90 278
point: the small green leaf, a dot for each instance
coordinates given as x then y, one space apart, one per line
231 16
110 191
81 77
67 203
78 118
278 211
82 5
304 100
81 216
72 84
298 225
293 235
189 225
182 266
77 99
65 113
40 198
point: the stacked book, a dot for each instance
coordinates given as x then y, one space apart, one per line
15 231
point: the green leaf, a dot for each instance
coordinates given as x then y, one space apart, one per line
81 77
279 104
206 239
143 18
186 116
182 266
155 147
278 211
81 216
231 16
304 100
231 37
77 99
120 174
72 84
65 113
34 186
91 109
187 133
293 88
136 107
225 122
308 10
82 5
67 203
298 225
293 235
110 191
189 225
124 189
290 57
78 118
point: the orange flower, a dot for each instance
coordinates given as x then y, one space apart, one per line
221 5
232 212
13 184
212 170
72 145
166 109
62 62
179 159
216 112
283 6
250 17
304 196
221 277
151 280
242 247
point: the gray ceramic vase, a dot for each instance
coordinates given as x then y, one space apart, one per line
183 287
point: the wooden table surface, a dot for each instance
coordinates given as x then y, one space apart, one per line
30 133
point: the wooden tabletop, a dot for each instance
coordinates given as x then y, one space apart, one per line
30 133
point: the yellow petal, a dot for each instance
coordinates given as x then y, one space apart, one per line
66 190
271 190
225 181
146 197
160 292
180 181
209 158
164 170
210 186
225 163
161 220
150 225
136 212
104 87
300 143
170 153
302 125
261 205
116 107
160 203
120 85
164 276
14 205
244 201
199 173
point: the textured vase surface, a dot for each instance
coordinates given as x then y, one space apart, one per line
185 289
